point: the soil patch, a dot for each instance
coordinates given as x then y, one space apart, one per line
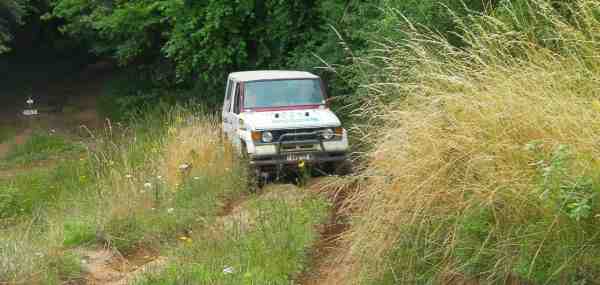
108 267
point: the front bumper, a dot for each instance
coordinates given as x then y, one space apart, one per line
292 152
284 159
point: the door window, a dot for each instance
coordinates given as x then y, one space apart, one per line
227 106
238 99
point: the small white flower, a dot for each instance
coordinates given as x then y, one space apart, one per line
170 210
153 209
228 270
158 177
52 130
147 185
128 176
196 178
29 101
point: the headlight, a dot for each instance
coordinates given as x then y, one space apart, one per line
267 137
327 134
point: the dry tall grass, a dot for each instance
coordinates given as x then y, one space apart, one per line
486 166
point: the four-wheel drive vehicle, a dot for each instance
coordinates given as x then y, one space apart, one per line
280 119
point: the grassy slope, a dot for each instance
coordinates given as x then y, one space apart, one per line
484 166
129 192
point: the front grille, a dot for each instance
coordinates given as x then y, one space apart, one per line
277 135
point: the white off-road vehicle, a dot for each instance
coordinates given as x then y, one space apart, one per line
280 119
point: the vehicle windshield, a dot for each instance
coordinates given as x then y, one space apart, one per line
283 93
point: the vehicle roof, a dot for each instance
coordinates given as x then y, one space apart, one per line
271 75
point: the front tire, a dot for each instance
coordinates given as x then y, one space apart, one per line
253 173
339 168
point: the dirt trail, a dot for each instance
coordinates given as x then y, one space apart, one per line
324 268
107 267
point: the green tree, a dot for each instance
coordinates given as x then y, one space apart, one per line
194 44
12 13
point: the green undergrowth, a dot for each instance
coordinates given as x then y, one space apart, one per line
266 243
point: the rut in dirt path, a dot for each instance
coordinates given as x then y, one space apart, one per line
323 267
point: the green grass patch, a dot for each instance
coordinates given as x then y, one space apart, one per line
272 249
41 146
78 231
6 133
42 187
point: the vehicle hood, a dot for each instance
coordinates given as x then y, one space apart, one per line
290 119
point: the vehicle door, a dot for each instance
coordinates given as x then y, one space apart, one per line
234 115
227 102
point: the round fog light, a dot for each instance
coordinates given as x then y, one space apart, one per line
267 137
328 134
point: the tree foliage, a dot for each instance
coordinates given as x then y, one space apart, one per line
12 13
196 43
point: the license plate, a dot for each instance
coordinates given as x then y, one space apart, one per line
298 157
